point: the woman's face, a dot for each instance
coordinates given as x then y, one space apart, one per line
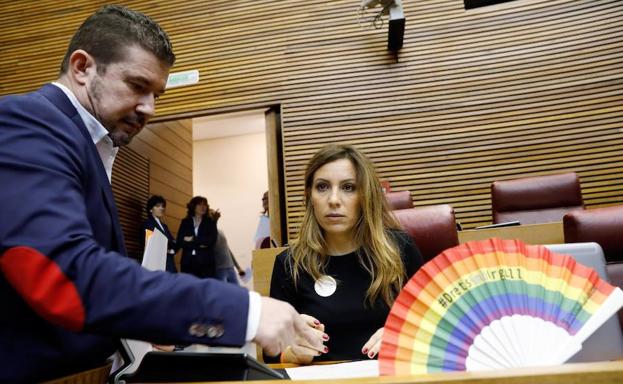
158 210
201 208
335 198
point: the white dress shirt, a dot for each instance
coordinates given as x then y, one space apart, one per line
99 134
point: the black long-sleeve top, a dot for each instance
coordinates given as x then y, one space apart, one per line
348 318
200 262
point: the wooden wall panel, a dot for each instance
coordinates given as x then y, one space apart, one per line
168 146
33 37
528 87
130 186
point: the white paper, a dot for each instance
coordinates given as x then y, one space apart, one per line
155 255
138 349
364 368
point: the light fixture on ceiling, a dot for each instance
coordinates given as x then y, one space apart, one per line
392 8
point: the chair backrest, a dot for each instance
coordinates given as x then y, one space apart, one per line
399 200
432 228
262 263
606 343
533 200
601 225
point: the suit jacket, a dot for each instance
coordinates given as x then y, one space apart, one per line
198 253
151 224
66 289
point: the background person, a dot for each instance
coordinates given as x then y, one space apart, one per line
155 207
225 261
196 236
262 234
67 288
350 259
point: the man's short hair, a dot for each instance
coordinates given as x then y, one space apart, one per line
108 32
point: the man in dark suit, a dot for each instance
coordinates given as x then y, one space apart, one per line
66 289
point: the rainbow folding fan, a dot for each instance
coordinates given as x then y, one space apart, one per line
494 304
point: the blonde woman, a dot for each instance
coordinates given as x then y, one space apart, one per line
349 261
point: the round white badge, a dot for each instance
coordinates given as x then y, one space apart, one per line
325 286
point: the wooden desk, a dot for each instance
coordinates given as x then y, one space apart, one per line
93 376
262 263
582 373
548 233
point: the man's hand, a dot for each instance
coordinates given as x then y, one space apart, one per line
280 326
373 345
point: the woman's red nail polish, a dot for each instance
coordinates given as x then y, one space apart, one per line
326 349
371 354
316 322
325 337
364 351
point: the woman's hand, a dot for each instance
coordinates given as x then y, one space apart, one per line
163 348
214 214
302 352
373 345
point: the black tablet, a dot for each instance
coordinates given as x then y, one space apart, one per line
157 367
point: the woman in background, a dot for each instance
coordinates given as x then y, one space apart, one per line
156 206
197 236
350 260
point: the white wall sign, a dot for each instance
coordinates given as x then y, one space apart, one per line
179 79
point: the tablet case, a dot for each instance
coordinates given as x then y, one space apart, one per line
158 367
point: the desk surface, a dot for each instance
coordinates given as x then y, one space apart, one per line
582 373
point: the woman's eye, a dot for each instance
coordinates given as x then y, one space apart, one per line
322 186
349 187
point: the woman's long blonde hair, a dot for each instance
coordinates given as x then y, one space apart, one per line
379 253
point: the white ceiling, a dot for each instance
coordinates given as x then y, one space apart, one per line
228 124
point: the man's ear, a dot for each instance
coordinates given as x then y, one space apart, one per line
81 66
